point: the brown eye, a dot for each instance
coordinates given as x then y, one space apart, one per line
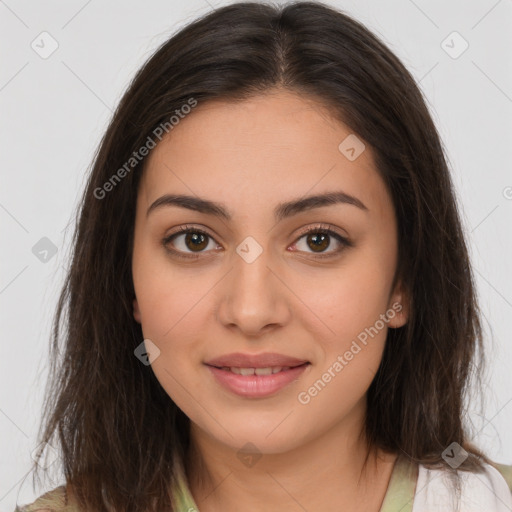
318 241
187 241
195 241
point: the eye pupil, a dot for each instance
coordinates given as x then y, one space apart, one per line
319 240
198 240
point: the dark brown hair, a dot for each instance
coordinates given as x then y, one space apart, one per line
122 438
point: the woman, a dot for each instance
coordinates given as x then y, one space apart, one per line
270 300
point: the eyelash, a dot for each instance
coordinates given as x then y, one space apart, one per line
320 229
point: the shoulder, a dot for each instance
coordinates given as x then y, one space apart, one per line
55 500
489 489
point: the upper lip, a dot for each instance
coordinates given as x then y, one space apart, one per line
269 359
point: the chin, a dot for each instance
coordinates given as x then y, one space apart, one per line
270 437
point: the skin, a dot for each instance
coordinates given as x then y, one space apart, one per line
251 156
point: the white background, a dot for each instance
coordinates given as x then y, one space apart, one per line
54 112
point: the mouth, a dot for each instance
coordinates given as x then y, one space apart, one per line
263 361
257 379
267 370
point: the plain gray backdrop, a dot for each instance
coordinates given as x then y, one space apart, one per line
66 64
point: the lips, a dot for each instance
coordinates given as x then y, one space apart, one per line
256 376
267 360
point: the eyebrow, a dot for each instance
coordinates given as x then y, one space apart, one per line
281 211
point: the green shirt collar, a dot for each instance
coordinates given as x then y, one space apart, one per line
402 486
399 495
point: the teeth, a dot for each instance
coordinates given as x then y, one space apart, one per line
269 370
263 371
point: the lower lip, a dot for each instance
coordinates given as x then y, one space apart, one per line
257 386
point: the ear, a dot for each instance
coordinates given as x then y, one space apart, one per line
136 311
398 307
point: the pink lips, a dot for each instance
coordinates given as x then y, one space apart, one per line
241 360
287 369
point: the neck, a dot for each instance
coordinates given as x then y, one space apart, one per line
319 474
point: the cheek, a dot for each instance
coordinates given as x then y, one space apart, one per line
167 295
174 311
351 354
352 299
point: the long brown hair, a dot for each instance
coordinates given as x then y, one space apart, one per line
121 437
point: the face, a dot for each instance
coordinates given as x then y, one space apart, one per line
271 311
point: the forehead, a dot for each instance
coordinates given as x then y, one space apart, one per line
261 151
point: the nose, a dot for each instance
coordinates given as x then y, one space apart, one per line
253 297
